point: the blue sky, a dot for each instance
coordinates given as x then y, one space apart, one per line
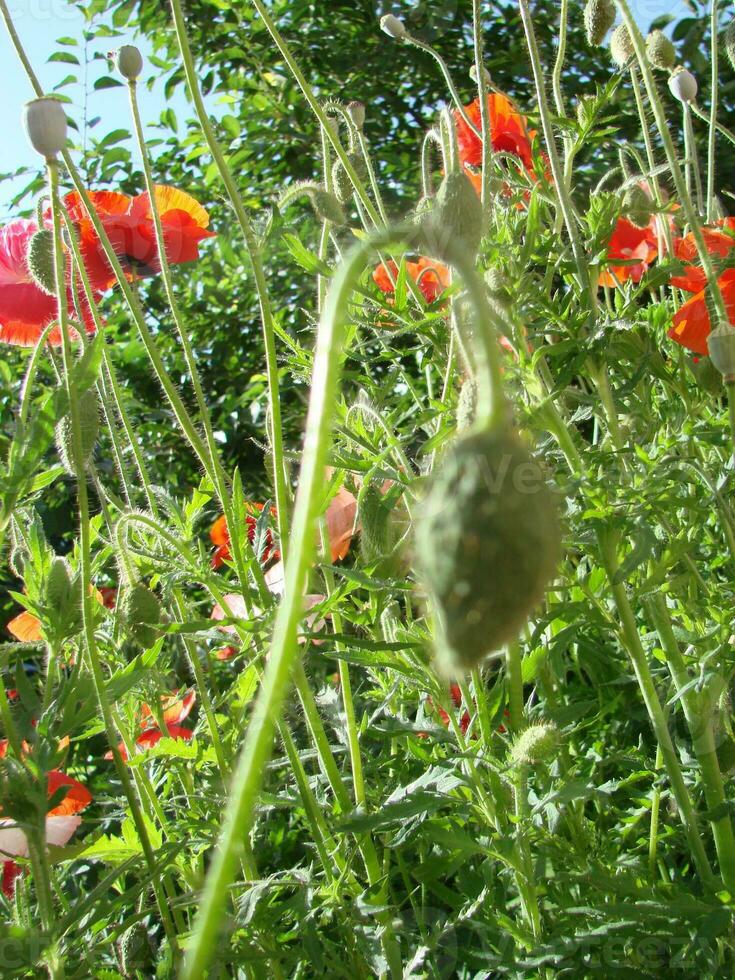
40 22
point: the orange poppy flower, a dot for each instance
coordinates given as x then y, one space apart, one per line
718 242
25 627
509 132
175 710
691 325
638 246
220 536
129 225
62 821
431 277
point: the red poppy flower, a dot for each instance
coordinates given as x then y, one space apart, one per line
109 596
175 710
25 309
509 132
62 821
638 246
220 536
718 242
225 653
691 324
129 225
431 277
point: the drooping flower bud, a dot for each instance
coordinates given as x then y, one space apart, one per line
537 743
140 612
599 17
342 183
456 217
638 206
356 111
683 85
327 207
89 423
45 125
721 344
393 27
129 62
621 46
485 72
661 52
40 261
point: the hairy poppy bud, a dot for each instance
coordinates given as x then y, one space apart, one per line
637 205
376 536
537 743
342 183
393 27
599 17
485 72
730 42
721 344
140 611
135 951
129 62
661 52
40 261
683 85
467 404
89 423
621 46
327 207
487 544
58 583
356 112
456 216
45 124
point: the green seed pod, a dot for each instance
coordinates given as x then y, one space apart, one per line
730 42
327 207
638 206
537 743
621 46
342 183
89 423
45 125
376 536
661 52
683 85
721 344
487 544
599 17
135 951
467 404
139 612
706 375
129 62
456 216
40 260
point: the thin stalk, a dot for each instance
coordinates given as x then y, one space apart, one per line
692 157
713 95
485 133
730 385
655 810
561 50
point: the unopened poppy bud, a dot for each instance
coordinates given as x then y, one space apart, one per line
342 183
140 611
129 62
356 112
45 124
621 46
637 206
393 27
456 217
721 344
89 423
40 261
599 17
661 52
485 73
376 536
537 743
730 42
58 583
327 207
683 85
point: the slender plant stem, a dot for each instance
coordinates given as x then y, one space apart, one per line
714 96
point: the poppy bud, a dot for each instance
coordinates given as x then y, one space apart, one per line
485 72
637 205
721 344
129 62
537 743
621 46
467 404
45 124
135 950
327 207
487 542
376 536
730 42
599 17
683 85
393 27
342 183
356 112
40 261
661 52
456 216
58 584
89 423
139 612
